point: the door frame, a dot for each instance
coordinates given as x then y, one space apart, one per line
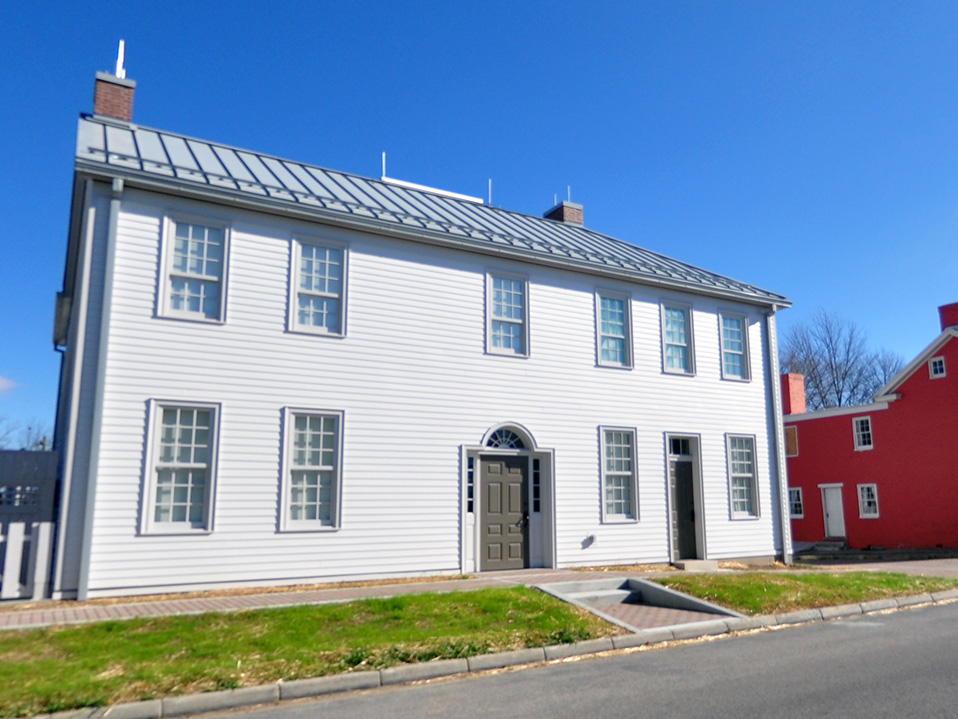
695 457
841 498
542 532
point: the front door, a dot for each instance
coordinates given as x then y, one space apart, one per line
834 512
504 513
685 510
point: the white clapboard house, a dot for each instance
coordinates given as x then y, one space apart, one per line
275 373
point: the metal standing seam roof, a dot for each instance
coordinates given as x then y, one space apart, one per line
156 157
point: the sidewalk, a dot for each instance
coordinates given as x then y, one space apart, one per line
36 615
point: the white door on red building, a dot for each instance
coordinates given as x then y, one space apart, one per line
833 510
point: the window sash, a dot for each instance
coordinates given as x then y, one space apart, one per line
508 315
734 347
319 282
612 329
863 433
677 339
868 501
196 270
619 499
181 474
742 476
312 473
796 507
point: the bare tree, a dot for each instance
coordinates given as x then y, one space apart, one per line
840 370
35 436
7 432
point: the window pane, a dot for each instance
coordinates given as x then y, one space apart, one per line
312 473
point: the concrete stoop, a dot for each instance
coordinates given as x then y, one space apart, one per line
191 704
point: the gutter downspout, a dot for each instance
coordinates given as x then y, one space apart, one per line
76 348
106 307
779 437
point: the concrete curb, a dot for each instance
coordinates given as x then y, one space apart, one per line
407 673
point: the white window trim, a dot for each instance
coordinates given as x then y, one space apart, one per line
859 447
295 254
931 365
490 275
666 304
746 357
801 501
166 263
793 428
756 512
607 518
861 501
627 301
154 419
285 523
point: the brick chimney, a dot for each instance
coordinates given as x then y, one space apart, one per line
948 314
793 393
113 94
568 212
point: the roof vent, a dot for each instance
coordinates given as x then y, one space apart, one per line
568 212
113 94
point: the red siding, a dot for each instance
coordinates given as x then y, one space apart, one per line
914 464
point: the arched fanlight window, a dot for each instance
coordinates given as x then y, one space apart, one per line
505 439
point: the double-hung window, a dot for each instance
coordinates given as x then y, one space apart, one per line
678 354
741 468
507 321
312 470
868 501
197 267
612 327
734 330
862 428
619 495
318 282
181 473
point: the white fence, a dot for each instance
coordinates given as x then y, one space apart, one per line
25 559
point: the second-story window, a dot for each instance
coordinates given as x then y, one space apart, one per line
318 281
507 326
734 347
862 427
612 330
196 270
677 348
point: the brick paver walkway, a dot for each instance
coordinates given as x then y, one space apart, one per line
36 615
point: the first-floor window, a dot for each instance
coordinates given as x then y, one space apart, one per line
182 469
312 474
796 509
618 475
868 501
741 465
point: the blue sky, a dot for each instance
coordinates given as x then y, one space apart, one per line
807 147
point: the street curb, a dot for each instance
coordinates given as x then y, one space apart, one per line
408 673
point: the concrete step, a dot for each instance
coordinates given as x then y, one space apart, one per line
697 565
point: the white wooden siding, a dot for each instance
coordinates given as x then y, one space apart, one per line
415 385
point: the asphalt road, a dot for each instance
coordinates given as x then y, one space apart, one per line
902 664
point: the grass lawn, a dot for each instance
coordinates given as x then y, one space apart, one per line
776 592
46 670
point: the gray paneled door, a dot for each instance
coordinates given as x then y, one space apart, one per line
685 510
504 513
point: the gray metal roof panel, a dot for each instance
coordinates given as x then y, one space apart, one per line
171 158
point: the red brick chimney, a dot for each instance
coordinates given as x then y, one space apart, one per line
948 314
113 94
793 393
568 212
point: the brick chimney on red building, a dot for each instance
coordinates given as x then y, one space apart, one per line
793 393
948 314
113 94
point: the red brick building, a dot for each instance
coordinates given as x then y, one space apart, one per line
883 474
